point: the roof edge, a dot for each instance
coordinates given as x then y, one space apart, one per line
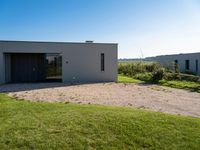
56 42
178 54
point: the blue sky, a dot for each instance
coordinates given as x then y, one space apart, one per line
153 27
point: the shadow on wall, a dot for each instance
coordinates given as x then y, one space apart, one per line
6 88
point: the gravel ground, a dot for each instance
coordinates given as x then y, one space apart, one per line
152 97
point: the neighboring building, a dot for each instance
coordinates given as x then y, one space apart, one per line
25 61
186 62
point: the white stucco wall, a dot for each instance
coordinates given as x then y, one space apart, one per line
181 61
83 59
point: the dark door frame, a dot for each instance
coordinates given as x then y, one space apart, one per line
28 65
24 67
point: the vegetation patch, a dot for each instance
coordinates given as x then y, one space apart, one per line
125 79
192 86
151 72
29 125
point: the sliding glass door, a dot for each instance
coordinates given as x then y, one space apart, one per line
54 67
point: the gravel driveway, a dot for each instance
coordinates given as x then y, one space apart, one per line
152 97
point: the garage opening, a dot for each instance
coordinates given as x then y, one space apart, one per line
33 67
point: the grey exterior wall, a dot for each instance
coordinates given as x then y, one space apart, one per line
84 61
169 59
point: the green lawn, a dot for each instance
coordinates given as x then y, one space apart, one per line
125 79
29 125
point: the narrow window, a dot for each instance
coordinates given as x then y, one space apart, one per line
187 64
197 65
102 62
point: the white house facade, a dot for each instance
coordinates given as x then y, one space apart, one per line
27 61
187 62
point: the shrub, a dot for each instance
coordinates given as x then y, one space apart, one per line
151 67
124 69
169 66
176 68
144 76
131 69
152 71
181 77
188 77
172 76
158 74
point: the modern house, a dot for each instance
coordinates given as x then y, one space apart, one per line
187 62
26 61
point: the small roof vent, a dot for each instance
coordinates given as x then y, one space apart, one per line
89 41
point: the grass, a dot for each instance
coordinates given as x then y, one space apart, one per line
125 79
188 85
29 125
192 86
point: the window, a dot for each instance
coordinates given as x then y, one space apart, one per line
187 64
54 66
102 62
197 65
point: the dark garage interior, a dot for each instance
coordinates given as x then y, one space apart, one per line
33 67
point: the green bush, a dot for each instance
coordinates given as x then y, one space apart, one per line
176 68
188 77
172 76
144 76
151 67
131 69
158 74
170 66
181 77
152 71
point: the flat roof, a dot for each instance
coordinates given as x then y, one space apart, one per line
179 54
56 42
